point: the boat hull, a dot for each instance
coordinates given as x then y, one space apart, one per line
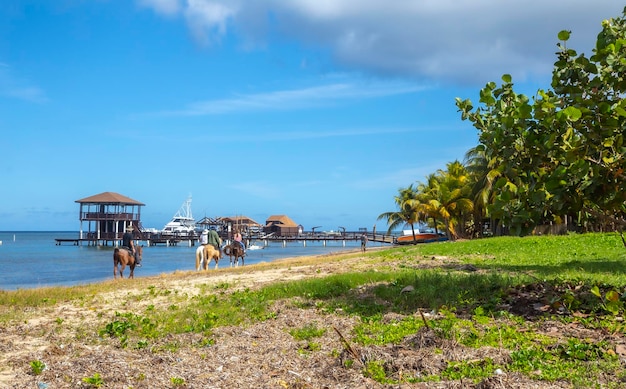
421 237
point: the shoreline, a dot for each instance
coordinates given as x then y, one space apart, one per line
44 264
262 266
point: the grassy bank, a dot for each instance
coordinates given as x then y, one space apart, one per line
496 296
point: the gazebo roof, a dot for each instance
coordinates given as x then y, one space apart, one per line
109 198
282 220
241 220
206 220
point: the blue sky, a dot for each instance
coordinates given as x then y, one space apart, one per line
317 109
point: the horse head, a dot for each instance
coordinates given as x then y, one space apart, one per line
139 251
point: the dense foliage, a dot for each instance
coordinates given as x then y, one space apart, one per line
556 158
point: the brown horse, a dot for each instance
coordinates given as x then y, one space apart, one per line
234 250
123 258
204 254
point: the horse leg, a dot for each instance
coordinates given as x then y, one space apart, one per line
241 255
132 270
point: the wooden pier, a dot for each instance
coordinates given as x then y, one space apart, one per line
75 242
154 239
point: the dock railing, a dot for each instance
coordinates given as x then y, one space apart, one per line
381 238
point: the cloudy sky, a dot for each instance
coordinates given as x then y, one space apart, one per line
317 109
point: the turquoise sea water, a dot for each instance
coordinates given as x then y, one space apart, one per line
32 259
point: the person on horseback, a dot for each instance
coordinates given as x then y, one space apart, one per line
204 237
213 238
239 239
129 244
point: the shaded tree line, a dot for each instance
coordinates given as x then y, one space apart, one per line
556 158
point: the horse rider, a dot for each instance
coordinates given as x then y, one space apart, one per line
204 237
129 244
213 238
239 239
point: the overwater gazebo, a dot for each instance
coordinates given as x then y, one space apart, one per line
107 215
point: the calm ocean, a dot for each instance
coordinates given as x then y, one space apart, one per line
32 259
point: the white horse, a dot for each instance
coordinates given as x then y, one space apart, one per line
204 254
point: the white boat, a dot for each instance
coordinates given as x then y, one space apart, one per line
182 222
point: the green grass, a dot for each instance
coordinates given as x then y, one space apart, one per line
307 332
583 274
595 257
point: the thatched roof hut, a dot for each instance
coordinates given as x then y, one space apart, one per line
281 225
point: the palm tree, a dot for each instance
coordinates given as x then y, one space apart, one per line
426 194
409 211
483 178
446 196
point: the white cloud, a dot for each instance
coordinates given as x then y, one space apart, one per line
208 19
447 40
453 41
296 99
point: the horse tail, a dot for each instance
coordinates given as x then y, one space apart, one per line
227 249
199 257
200 253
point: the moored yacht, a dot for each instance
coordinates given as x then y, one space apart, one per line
182 222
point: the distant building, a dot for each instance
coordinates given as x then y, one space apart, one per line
281 225
107 215
226 225
244 224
